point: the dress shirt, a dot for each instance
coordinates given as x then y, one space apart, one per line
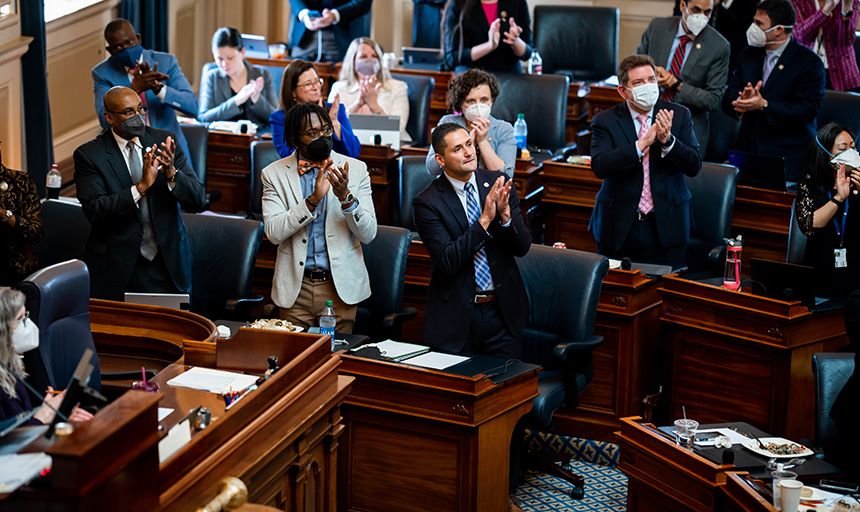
675 42
123 146
649 121
317 256
776 51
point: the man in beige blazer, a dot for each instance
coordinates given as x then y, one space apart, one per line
317 208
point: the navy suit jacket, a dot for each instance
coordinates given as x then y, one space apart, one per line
793 91
345 31
452 243
614 160
104 190
162 114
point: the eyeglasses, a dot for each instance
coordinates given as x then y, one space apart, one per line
311 84
142 110
21 320
315 134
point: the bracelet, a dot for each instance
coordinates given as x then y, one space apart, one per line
836 201
172 178
137 186
313 205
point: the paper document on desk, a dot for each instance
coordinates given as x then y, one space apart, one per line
396 351
436 360
18 469
214 381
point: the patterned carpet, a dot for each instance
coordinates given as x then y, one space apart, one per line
605 486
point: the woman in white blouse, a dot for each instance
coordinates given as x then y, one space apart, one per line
366 86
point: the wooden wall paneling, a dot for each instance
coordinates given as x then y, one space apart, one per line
12 102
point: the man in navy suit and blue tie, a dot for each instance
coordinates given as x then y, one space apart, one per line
155 76
642 149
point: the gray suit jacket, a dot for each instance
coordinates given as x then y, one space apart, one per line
501 139
286 216
705 71
216 98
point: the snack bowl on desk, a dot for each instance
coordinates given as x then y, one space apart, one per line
144 385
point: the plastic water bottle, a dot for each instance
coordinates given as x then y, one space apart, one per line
521 131
54 182
535 64
328 321
732 275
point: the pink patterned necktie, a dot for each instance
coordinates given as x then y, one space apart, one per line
646 202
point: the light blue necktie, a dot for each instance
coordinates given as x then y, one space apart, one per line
482 268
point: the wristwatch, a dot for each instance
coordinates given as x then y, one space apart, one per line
8 216
349 198
669 141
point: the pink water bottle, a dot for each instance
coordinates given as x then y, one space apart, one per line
732 276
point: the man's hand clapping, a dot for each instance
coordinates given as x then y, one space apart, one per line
146 78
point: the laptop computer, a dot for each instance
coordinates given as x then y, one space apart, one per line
783 281
427 59
255 46
379 130
759 171
168 300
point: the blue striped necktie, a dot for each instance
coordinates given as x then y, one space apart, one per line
482 268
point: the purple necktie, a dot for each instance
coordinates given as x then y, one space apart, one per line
768 66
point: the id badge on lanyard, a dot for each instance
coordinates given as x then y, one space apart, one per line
840 254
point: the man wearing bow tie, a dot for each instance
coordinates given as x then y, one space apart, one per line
317 208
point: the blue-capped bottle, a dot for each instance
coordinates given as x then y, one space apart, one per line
521 131
328 321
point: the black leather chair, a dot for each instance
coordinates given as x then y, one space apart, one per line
840 107
263 153
563 286
420 91
66 231
381 315
723 136
796 240
197 137
224 253
713 191
413 179
831 371
577 41
543 100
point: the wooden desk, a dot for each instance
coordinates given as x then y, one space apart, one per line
425 440
763 217
601 97
738 496
568 197
228 169
738 357
384 179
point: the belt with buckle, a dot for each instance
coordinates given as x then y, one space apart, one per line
485 297
318 275
644 216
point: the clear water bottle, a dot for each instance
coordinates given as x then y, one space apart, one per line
521 131
535 64
732 276
54 182
328 321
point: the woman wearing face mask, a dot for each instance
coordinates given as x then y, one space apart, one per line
366 87
301 84
827 28
236 89
19 334
828 210
472 94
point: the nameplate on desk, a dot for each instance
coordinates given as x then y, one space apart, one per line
176 438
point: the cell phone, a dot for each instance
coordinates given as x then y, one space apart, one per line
706 436
843 487
314 14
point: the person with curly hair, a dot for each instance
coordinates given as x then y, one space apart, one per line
20 225
471 95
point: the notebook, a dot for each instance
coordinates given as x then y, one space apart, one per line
168 300
378 130
759 171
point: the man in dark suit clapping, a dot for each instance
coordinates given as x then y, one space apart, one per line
642 149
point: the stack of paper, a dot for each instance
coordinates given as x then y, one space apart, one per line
16 470
397 351
214 381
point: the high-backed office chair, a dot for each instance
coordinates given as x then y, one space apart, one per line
224 251
840 107
713 191
66 231
577 41
263 153
413 179
796 239
830 371
197 137
381 315
420 91
723 136
563 286
543 100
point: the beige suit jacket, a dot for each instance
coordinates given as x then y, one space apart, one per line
286 216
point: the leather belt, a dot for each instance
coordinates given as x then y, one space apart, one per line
485 297
318 275
644 216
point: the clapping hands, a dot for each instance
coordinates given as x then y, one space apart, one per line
497 202
251 91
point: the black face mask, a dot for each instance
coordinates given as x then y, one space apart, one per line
320 149
134 126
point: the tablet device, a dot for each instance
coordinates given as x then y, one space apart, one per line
168 300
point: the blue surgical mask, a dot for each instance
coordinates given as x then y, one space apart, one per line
128 57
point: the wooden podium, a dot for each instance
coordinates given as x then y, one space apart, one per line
426 440
740 357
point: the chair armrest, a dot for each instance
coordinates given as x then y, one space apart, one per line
717 256
393 319
563 351
213 195
234 305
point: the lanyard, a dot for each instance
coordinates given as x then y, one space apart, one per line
840 232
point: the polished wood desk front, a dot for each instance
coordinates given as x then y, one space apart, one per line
228 169
738 357
738 496
425 440
763 217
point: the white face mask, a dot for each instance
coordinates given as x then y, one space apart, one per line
645 95
758 37
696 22
849 157
477 110
25 337
367 67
